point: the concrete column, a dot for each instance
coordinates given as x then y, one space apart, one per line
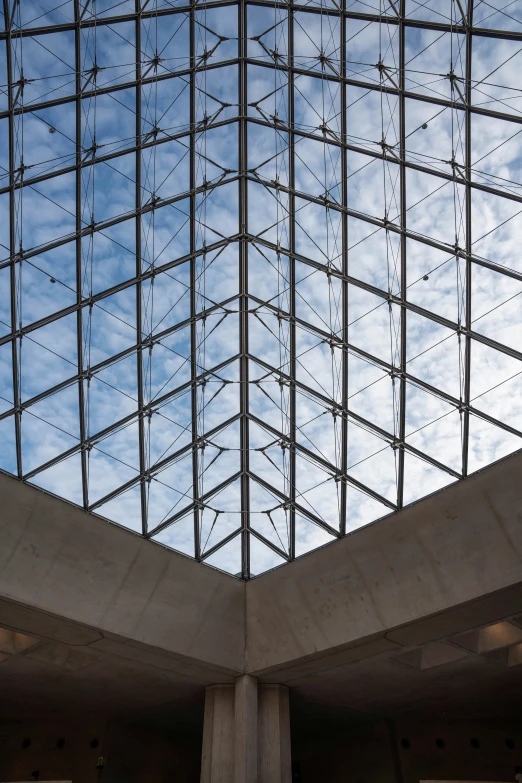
246 734
274 758
217 757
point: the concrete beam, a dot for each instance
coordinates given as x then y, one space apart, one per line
67 575
448 563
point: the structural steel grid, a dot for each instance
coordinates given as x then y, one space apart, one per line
260 265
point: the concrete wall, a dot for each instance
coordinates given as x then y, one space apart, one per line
410 751
419 575
405 578
60 560
132 754
76 760
145 755
349 754
368 752
444 751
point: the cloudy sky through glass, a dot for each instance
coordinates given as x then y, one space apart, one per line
260 266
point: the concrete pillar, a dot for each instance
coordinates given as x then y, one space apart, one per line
217 757
246 733
273 737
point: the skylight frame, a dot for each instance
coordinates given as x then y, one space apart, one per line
392 83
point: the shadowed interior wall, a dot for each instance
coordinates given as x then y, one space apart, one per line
367 752
347 753
131 753
409 751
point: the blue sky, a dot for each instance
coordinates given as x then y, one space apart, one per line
45 223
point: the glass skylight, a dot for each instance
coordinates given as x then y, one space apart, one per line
260 264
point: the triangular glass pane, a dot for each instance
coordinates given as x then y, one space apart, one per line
228 557
372 393
220 516
262 558
433 354
179 535
6 378
269 458
50 427
170 491
488 443
169 430
220 458
317 492
111 394
362 509
125 509
268 517
49 356
372 461
113 461
309 536
63 479
112 325
8 445
496 384
434 426
49 286
421 478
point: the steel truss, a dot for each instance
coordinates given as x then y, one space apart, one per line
229 514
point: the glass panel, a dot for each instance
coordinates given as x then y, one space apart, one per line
260 279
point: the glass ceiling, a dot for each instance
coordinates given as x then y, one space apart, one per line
260 265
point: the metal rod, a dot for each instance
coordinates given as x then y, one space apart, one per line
193 294
143 416
292 310
16 344
345 265
243 287
509 35
400 452
82 397
469 245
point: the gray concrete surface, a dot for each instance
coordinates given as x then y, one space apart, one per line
448 563
246 733
117 589
127 627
